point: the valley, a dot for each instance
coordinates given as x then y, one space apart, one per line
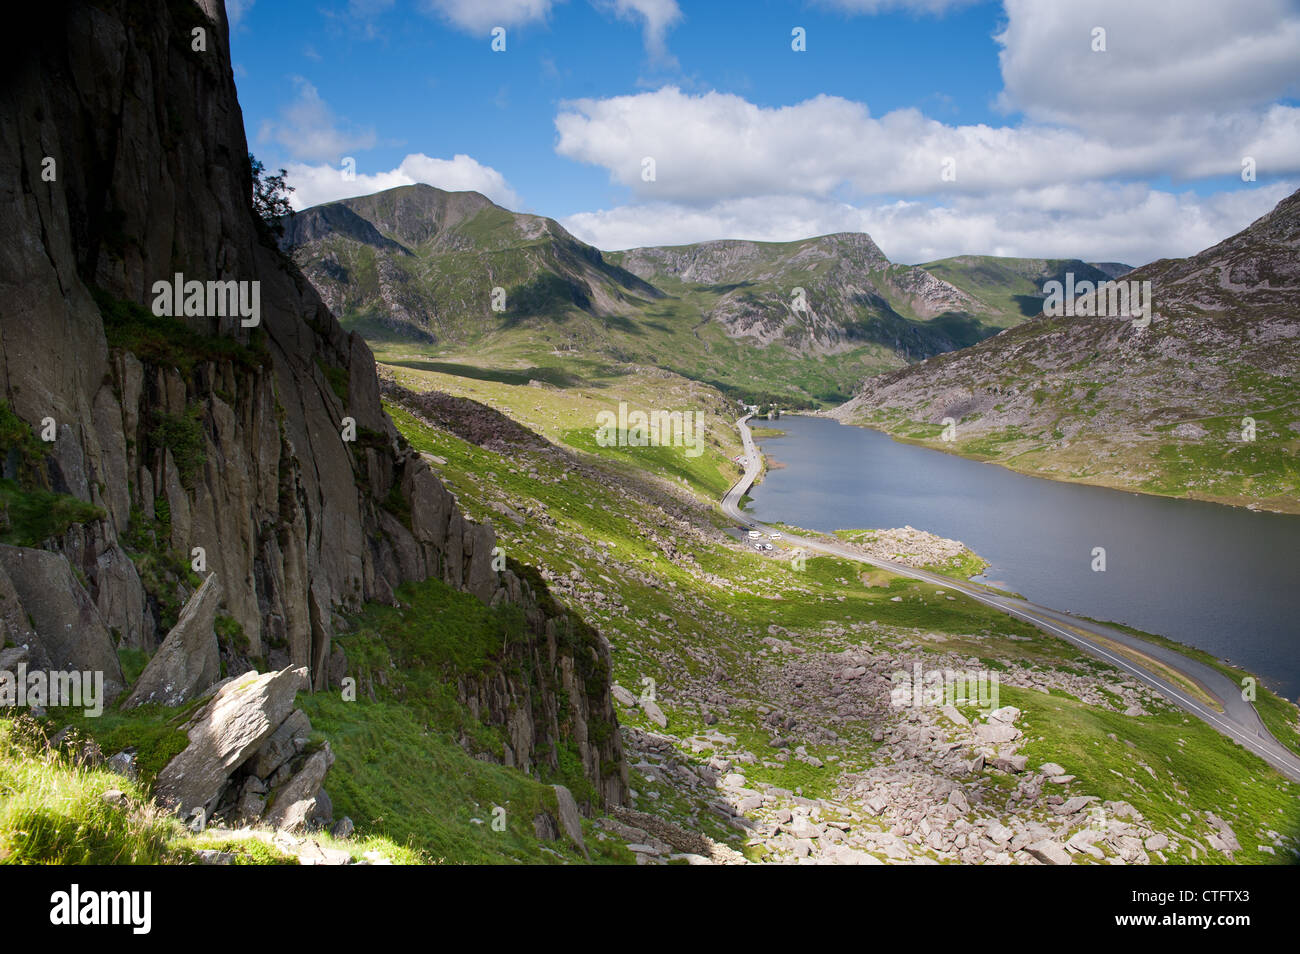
1200 404
407 529
830 324
746 657
797 323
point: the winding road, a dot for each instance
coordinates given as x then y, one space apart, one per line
1238 721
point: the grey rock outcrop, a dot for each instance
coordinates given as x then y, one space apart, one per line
46 610
558 704
1049 853
295 803
655 714
296 523
249 760
570 818
289 514
285 742
229 729
624 696
189 660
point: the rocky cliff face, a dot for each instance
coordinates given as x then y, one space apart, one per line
852 294
730 260
122 163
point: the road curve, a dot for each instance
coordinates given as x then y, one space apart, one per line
1238 721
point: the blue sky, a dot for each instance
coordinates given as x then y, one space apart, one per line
425 86
1058 148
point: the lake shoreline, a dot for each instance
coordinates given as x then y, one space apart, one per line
1233 502
1201 575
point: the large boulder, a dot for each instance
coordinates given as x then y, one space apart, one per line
225 734
296 801
1049 852
285 742
995 733
48 611
570 817
655 714
189 660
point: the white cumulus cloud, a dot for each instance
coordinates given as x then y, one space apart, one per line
480 16
718 145
1183 93
308 129
314 184
1193 57
657 17
1096 222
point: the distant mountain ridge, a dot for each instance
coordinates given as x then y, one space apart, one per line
1203 402
756 288
802 322
1010 290
423 262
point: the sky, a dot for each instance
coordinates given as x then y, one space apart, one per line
1107 130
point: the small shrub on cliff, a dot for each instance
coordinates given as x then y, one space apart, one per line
183 436
29 517
398 505
167 342
231 633
270 196
29 512
161 569
340 381
22 453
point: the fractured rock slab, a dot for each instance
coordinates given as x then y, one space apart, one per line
229 729
189 659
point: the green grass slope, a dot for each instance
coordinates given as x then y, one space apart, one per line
688 611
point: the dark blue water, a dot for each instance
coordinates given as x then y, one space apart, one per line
1224 579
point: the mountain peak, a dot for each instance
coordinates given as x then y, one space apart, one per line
1115 401
412 214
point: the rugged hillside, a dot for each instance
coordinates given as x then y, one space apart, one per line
195 432
845 304
1003 292
419 261
853 292
416 266
755 689
1169 408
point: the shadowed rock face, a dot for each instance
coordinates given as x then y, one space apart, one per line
151 179
189 660
226 733
45 609
141 142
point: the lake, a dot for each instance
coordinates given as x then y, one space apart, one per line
1223 579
